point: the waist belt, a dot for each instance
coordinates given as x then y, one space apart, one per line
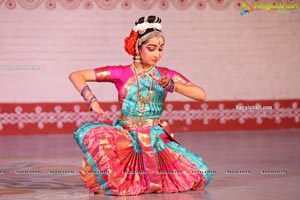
132 123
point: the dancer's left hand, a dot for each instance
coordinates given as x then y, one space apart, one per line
163 81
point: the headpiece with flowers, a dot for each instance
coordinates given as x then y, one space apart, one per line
143 29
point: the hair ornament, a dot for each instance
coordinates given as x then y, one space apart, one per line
141 28
129 43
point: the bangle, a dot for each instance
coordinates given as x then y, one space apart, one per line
84 90
92 100
88 97
171 86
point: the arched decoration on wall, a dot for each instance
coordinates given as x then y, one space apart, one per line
141 4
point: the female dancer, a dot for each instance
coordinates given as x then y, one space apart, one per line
138 154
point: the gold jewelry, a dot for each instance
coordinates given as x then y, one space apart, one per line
144 71
142 100
147 36
134 123
137 59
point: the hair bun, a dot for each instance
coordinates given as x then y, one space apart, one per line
149 19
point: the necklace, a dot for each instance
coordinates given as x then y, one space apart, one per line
144 71
142 100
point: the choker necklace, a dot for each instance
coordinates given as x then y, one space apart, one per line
142 70
143 100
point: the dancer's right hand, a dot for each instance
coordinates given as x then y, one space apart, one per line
95 106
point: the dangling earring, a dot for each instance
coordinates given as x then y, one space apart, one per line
137 59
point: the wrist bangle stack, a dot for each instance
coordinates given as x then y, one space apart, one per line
171 86
91 101
84 90
90 98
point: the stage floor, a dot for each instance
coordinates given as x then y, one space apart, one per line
248 165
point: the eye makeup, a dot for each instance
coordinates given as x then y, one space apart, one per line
152 47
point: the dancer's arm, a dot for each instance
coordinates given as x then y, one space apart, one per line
79 79
191 90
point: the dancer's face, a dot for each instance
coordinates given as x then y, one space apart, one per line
152 50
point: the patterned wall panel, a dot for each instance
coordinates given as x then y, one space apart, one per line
49 118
